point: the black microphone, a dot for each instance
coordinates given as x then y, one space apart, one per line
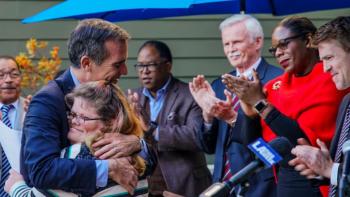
220 189
344 180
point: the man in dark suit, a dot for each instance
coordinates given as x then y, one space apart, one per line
97 50
334 47
174 118
242 39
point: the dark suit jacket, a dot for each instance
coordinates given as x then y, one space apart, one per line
340 121
214 141
44 135
182 164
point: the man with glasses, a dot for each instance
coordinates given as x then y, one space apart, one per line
242 39
174 119
11 105
98 51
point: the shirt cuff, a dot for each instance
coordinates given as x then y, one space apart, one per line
101 173
334 174
19 188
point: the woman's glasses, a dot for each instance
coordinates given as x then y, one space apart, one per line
81 118
283 44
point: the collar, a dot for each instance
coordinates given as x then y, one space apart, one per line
162 90
75 79
15 104
249 72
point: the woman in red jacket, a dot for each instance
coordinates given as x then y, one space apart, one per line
301 103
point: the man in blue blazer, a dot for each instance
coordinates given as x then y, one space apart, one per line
242 39
97 50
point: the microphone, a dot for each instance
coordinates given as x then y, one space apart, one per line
267 157
344 180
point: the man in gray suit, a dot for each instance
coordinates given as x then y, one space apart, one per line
334 47
11 105
175 119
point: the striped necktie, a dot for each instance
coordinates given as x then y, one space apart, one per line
344 135
5 168
227 174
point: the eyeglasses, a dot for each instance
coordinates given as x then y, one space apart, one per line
150 66
81 118
283 44
12 75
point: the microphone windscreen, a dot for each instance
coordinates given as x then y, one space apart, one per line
282 145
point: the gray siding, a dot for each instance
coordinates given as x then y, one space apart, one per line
194 41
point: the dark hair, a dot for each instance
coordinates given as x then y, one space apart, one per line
89 38
8 57
299 26
337 29
161 47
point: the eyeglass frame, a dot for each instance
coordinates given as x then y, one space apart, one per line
13 75
154 65
283 43
72 115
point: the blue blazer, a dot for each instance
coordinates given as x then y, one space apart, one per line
44 135
215 140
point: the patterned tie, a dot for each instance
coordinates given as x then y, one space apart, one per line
227 174
5 163
342 138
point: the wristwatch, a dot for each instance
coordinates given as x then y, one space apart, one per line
260 106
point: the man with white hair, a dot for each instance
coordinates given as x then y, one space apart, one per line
242 39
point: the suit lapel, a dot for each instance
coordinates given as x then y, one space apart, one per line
169 101
262 69
65 82
20 114
340 121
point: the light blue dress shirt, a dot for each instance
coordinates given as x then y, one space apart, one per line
156 103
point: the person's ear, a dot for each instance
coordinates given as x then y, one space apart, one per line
308 41
85 63
258 43
168 65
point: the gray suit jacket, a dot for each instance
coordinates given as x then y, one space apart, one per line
183 165
18 123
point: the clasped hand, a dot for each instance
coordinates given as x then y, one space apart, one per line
204 95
